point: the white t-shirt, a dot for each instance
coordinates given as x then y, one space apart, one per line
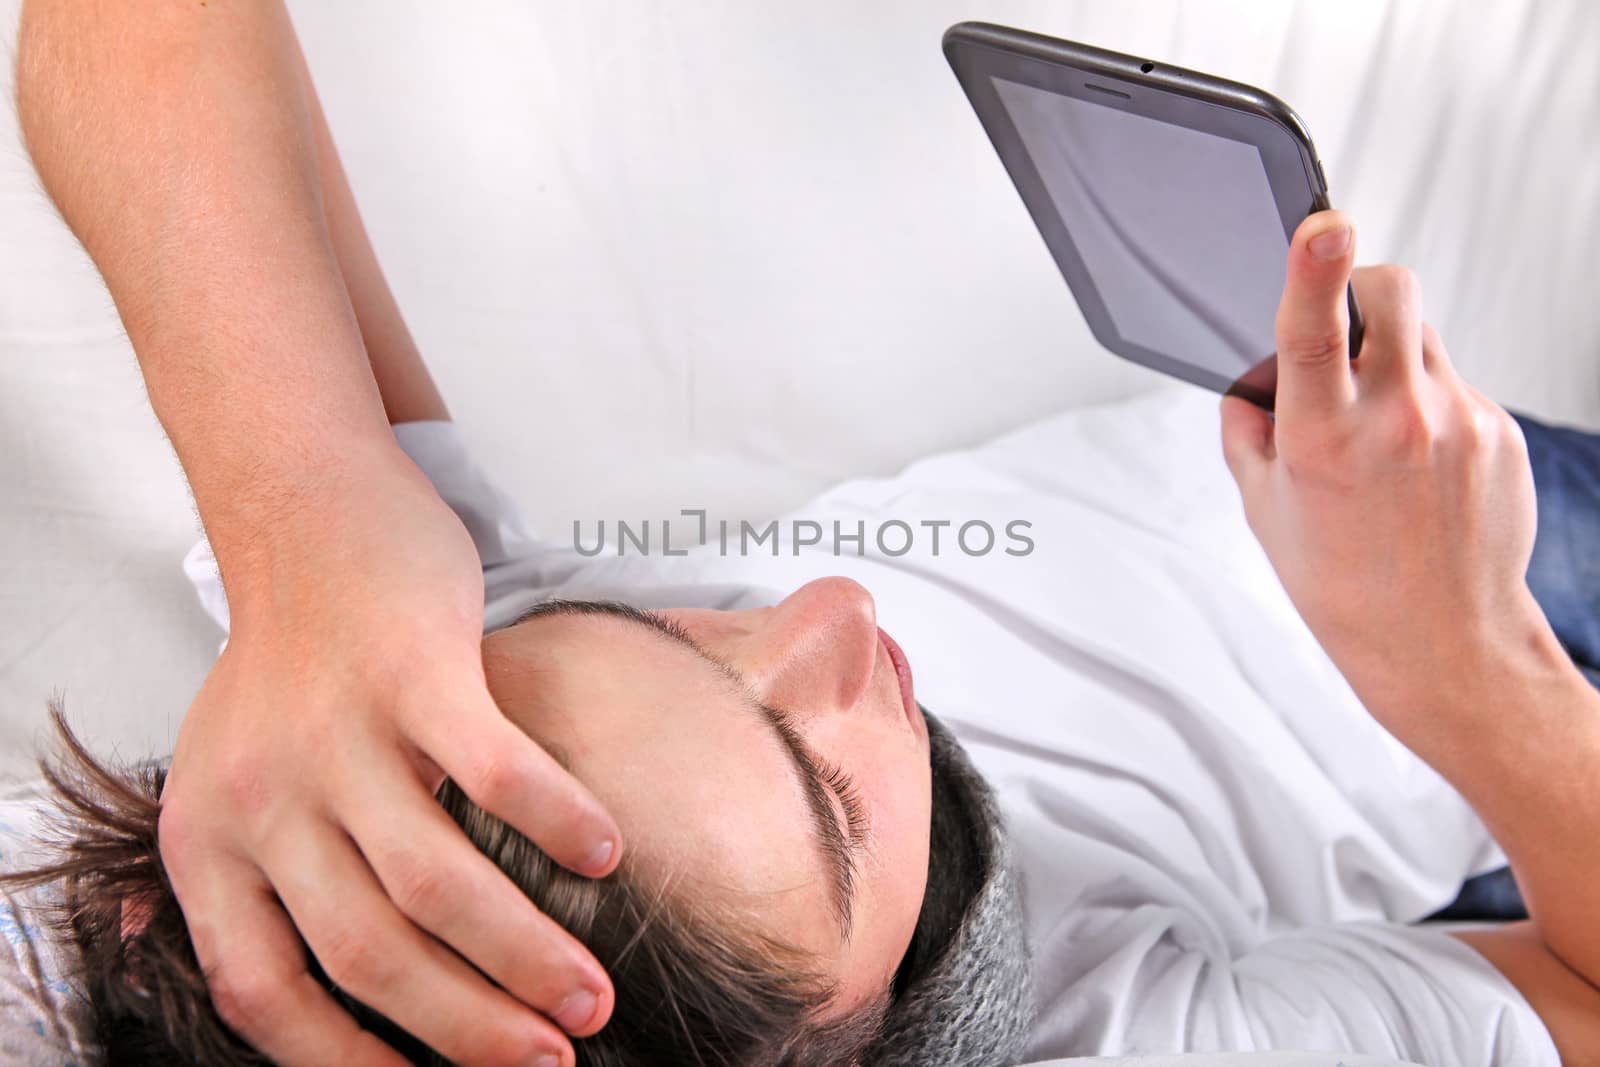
1220 849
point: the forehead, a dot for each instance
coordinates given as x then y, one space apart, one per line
676 752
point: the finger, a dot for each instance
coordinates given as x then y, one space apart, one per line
506 773
1391 303
444 884
1435 358
1491 414
1246 438
1478 399
376 955
1313 322
255 968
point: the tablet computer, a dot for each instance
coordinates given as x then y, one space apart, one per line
1166 197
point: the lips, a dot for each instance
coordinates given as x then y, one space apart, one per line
902 673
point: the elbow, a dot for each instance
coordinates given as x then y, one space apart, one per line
36 68
25 66
76 63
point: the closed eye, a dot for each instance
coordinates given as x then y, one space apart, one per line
844 787
839 845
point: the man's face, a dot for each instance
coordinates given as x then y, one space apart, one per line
769 763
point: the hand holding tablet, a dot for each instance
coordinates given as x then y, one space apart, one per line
1167 197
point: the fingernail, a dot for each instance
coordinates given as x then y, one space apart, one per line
600 856
549 1059
1330 244
577 1010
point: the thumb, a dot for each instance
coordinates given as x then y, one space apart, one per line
1247 442
1313 322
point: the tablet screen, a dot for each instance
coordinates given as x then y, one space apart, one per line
1177 228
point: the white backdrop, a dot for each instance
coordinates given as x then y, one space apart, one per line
725 253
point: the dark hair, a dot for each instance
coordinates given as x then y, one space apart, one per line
689 990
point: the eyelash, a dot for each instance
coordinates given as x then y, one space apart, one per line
844 787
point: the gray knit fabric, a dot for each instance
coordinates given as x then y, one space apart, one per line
966 998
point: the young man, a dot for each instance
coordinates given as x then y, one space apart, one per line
1393 501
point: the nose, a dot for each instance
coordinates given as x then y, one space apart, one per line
817 649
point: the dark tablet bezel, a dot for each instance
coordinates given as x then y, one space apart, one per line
978 52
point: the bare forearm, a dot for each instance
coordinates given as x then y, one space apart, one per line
175 139
408 389
1515 727
1397 506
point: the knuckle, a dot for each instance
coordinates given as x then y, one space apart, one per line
1407 430
1314 349
1431 341
565 809
243 784
1394 283
1511 432
1400 280
495 779
243 997
1475 426
1497 429
418 887
1234 455
176 833
351 960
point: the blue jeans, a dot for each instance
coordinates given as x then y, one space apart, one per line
1564 575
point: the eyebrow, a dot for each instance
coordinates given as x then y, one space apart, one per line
837 849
